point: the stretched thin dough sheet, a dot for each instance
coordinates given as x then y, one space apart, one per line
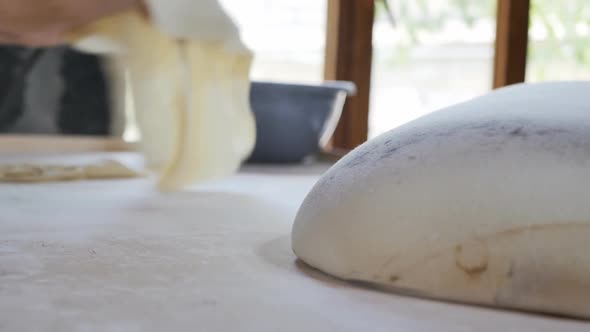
190 81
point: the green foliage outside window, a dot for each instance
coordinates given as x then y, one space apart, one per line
559 34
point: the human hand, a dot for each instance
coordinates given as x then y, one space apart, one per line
39 23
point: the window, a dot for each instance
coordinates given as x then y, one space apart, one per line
288 37
440 52
559 40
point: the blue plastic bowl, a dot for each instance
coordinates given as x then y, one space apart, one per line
294 120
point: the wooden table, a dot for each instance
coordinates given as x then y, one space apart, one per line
119 256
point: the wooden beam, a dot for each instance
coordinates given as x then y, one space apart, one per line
348 57
512 27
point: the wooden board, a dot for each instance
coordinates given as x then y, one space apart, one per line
118 256
61 144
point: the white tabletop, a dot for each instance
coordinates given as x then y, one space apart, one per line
118 256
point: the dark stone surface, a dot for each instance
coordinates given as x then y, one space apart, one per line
12 71
82 106
84 103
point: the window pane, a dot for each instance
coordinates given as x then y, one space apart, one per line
439 53
559 40
288 37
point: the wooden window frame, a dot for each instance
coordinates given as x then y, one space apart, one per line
348 57
349 52
512 29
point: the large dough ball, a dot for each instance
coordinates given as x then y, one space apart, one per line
485 202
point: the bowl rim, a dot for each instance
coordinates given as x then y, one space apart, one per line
346 86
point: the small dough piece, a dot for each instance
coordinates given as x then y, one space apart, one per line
189 75
109 169
484 202
62 173
20 173
37 173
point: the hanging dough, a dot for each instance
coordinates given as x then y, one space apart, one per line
484 202
189 74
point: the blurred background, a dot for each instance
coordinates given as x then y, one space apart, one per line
440 52
433 53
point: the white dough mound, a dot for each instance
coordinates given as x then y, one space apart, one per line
485 202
